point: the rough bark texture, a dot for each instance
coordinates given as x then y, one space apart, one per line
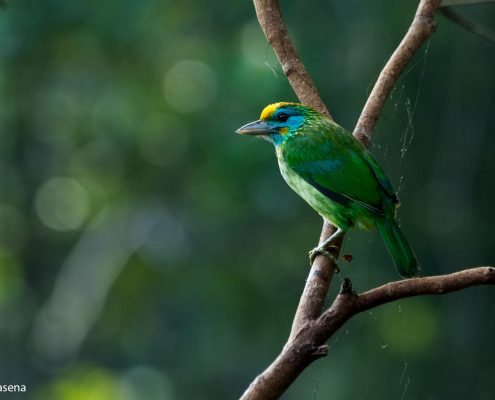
272 23
312 325
309 343
321 273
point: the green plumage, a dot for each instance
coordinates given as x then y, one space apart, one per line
335 175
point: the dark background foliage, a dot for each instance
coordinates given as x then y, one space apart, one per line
148 252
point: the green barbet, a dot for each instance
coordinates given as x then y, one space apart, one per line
336 175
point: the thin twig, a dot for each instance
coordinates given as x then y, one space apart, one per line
469 24
449 3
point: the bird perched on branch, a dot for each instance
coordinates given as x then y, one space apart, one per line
335 175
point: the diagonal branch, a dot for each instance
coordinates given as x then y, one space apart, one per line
469 24
272 23
449 3
320 276
422 27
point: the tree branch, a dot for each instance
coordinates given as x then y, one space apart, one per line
320 276
312 326
272 23
469 24
309 344
351 304
422 27
449 3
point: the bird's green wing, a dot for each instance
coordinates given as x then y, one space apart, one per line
380 175
339 167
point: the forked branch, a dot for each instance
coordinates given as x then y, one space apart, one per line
312 325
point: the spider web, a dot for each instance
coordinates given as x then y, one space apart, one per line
408 134
403 110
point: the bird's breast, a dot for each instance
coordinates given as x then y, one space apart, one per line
320 203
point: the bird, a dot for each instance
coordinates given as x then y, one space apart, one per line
336 175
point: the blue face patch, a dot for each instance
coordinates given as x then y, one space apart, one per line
276 138
286 121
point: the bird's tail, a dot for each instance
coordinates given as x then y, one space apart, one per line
403 255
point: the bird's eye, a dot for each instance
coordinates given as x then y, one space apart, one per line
282 117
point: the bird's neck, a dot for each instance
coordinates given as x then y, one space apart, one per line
277 139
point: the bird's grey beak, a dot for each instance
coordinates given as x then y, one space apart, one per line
256 128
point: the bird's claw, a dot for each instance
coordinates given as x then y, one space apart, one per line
324 252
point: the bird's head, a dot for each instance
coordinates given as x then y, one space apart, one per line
278 122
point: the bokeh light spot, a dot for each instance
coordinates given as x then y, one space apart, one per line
190 86
62 204
86 384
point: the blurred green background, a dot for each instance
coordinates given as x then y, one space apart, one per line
148 252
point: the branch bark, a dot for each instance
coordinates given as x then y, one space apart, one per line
273 26
320 276
312 325
309 344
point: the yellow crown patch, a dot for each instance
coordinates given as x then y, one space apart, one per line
269 110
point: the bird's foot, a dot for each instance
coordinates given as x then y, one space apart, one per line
324 252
